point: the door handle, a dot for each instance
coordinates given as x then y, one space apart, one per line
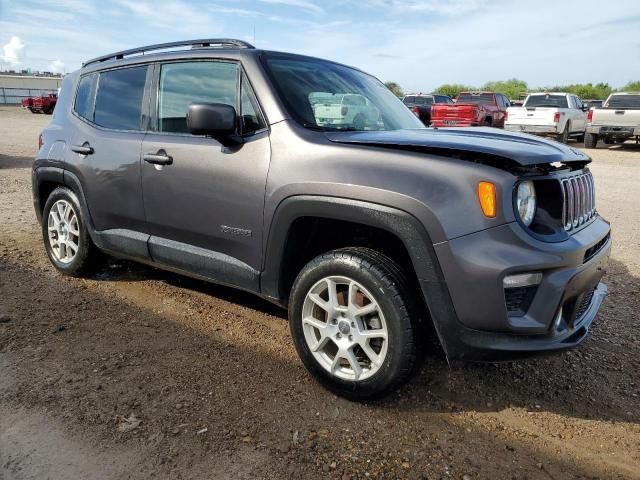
85 149
160 158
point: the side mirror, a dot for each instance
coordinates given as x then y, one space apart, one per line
216 120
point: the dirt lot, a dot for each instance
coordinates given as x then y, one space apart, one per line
138 373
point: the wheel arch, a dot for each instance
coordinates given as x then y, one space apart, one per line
396 222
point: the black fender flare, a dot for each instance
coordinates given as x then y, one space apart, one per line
65 178
403 225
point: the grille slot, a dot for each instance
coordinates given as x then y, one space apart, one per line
579 200
592 251
584 304
518 299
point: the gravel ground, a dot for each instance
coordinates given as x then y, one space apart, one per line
138 373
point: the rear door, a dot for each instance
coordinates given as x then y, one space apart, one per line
105 148
204 209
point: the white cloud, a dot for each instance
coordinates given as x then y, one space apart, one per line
57 66
13 51
303 4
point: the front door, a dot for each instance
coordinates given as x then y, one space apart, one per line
204 202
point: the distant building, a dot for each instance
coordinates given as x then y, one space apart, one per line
16 86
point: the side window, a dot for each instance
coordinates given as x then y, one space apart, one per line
578 103
249 113
182 84
85 96
119 98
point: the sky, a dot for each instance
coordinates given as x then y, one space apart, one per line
418 44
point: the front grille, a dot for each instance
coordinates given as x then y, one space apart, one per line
518 299
579 200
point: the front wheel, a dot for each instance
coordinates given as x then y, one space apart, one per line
65 234
352 318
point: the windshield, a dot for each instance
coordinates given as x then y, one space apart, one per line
325 96
554 101
477 98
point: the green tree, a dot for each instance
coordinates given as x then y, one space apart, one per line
631 87
599 91
452 89
395 88
512 88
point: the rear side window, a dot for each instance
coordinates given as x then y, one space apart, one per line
85 96
119 98
182 84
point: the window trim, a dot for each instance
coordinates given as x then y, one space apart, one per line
95 96
93 100
154 97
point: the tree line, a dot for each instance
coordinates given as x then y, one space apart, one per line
514 88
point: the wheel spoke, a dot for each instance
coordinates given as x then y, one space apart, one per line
366 310
315 298
314 322
333 293
379 333
61 209
353 362
54 215
373 356
63 251
72 246
68 213
335 363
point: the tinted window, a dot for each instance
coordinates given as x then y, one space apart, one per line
182 84
251 119
119 98
415 100
85 96
557 101
476 98
624 101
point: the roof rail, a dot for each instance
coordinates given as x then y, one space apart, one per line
203 43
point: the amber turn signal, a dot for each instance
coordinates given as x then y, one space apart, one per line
487 198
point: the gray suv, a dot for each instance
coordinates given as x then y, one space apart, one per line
213 159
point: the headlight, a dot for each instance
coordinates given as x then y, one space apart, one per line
526 202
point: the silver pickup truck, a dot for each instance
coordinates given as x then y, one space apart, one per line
617 121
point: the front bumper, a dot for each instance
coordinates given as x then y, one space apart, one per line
535 129
613 130
479 327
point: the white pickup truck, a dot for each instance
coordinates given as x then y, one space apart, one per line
616 121
561 115
344 110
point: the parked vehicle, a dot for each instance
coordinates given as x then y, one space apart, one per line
593 103
420 104
617 121
44 104
555 114
472 109
211 162
344 110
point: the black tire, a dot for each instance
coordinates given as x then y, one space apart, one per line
376 273
580 138
87 253
590 140
607 141
487 122
564 136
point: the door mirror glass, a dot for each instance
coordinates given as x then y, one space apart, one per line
217 120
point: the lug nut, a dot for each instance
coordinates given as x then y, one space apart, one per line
338 335
351 338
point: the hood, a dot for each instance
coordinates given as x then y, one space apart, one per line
523 149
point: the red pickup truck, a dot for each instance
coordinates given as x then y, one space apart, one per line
472 109
44 104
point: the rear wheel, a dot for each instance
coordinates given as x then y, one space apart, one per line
487 122
352 315
564 136
607 141
65 235
590 140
